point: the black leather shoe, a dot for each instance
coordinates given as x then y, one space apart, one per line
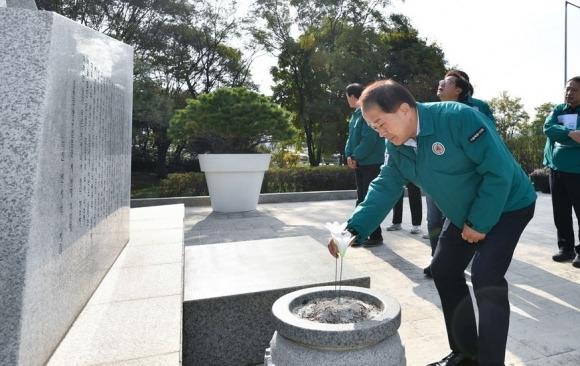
427 271
564 255
357 244
453 359
372 242
576 261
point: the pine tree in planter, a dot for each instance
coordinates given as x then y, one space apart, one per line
237 122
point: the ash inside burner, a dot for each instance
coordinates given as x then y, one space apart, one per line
330 311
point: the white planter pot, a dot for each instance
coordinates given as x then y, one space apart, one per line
234 180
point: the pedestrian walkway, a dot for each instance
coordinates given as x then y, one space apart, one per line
545 295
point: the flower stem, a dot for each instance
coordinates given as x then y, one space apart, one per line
340 279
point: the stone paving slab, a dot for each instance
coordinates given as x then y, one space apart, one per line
545 296
135 315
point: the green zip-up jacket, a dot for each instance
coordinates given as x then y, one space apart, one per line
460 161
561 152
364 144
481 106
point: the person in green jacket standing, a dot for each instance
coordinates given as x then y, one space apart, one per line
455 155
365 153
562 156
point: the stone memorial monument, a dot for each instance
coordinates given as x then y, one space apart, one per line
65 144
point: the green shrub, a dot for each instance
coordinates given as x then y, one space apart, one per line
276 180
284 159
148 192
528 151
308 179
183 185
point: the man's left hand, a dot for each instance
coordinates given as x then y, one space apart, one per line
470 235
332 248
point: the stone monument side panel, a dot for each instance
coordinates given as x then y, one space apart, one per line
86 146
22 77
79 206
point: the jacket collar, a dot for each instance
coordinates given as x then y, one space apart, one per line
424 121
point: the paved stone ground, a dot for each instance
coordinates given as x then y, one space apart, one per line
545 295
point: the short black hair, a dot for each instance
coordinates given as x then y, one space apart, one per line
355 89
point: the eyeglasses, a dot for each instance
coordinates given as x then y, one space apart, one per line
446 81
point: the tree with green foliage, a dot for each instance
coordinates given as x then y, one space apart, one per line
152 108
528 146
536 127
523 138
306 76
339 42
509 115
411 61
235 120
196 54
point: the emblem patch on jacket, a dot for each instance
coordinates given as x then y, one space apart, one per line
438 148
476 135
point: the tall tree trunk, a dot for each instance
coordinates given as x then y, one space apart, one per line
162 143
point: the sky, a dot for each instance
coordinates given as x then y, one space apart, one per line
515 46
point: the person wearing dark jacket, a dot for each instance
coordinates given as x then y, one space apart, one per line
454 154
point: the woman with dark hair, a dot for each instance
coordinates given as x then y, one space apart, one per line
475 103
455 155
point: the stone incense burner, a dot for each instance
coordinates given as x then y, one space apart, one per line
299 341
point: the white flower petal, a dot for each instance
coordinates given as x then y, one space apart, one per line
340 237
